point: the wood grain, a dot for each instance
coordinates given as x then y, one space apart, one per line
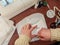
29 11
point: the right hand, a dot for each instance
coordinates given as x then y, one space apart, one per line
44 34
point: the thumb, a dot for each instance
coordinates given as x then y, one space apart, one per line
33 28
32 36
43 39
40 36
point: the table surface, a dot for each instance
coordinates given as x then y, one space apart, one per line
31 10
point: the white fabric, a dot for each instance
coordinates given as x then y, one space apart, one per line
34 19
6 30
16 7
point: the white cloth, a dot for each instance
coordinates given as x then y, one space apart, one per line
34 19
6 30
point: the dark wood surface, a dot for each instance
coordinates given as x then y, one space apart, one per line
31 10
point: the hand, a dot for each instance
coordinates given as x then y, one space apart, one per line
27 30
44 34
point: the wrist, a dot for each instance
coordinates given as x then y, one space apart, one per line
26 35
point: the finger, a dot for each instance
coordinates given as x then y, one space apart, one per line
23 27
33 28
28 26
32 36
43 39
40 35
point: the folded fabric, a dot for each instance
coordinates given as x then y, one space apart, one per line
6 27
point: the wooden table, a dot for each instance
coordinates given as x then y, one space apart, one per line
31 10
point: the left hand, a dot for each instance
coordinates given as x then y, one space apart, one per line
27 30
